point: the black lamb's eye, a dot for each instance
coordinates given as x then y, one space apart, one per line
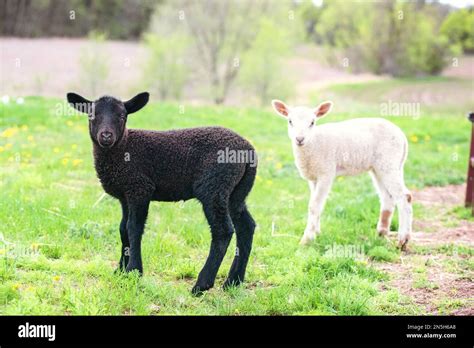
312 124
290 123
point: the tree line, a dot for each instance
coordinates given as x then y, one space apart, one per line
120 19
219 45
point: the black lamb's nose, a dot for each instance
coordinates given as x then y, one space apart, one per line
106 135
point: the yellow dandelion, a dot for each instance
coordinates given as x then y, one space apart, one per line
269 182
30 138
57 278
76 162
279 165
259 178
8 146
24 128
70 123
414 139
65 161
340 178
2 251
56 150
15 286
35 246
9 132
427 138
2 149
74 146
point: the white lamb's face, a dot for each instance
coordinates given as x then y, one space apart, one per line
301 120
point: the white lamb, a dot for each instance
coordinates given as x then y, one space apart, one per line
350 147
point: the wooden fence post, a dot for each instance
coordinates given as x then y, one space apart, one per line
470 170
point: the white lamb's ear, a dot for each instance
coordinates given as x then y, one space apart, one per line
281 108
323 109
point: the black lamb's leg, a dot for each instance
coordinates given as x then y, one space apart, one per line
245 228
137 214
125 253
217 214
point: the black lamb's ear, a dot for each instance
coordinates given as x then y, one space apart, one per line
79 103
137 102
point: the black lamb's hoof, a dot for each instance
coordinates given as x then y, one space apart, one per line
199 290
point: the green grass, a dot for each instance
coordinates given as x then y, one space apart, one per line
63 241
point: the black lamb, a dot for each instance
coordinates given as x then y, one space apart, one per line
138 166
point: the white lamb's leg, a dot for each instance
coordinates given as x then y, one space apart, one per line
319 193
394 183
406 205
312 225
387 206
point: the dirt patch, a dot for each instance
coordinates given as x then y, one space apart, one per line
434 231
464 311
311 76
461 234
441 195
462 67
51 66
429 283
439 283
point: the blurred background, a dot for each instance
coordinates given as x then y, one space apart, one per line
233 52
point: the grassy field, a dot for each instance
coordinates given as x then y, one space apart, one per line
61 241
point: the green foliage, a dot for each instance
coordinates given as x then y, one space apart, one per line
309 14
342 23
459 28
220 35
165 70
380 253
8 293
94 65
51 251
420 48
263 72
406 41
120 19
